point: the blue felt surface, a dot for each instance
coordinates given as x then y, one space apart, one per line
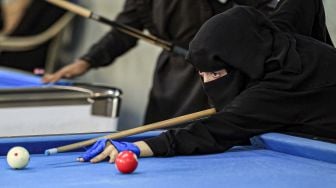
240 167
11 79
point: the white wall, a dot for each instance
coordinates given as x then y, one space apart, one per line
330 7
133 72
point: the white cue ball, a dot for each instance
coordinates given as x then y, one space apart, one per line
18 157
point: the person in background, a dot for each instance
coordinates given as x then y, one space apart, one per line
26 18
309 20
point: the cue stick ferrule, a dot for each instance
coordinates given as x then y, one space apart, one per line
51 151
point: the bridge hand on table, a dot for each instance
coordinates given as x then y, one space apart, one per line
104 148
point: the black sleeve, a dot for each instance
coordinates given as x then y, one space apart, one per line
250 114
115 43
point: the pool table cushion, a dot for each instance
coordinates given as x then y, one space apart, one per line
298 146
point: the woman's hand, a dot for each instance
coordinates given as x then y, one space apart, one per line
109 152
107 149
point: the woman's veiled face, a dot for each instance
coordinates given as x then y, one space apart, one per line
211 76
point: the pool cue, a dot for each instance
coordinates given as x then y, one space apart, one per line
121 27
141 129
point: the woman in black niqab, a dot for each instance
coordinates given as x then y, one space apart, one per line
255 43
277 82
273 80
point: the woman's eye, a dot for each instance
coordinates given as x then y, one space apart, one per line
215 74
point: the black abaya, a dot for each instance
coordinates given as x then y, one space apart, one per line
289 85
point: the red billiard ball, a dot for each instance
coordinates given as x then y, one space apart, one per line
126 162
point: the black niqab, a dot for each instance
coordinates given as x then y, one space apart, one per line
233 83
254 47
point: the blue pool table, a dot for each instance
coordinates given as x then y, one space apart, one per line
12 78
275 160
29 107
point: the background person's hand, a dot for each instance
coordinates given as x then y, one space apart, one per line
77 68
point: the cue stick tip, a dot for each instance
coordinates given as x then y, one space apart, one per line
50 151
